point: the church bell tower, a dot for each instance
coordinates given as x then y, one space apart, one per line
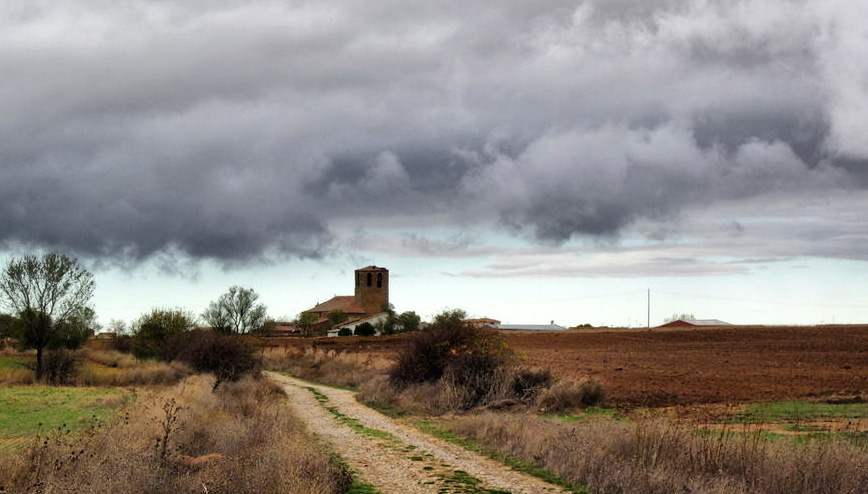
372 289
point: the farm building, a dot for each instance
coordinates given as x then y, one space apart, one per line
531 327
691 323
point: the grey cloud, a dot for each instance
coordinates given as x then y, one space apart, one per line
245 130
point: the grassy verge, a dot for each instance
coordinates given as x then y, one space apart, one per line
789 411
15 362
27 411
589 413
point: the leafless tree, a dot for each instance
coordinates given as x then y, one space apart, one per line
236 311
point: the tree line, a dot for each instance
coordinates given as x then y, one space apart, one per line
49 300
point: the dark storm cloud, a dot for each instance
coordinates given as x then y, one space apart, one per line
244 130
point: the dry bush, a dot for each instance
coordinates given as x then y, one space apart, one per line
184 439
470 366
655 457
565 396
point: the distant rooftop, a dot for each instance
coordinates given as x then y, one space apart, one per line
680 323
531 327
709 322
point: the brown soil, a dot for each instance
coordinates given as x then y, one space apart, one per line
722 365
683 366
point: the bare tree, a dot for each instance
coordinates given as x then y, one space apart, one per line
236 311
682 317
48 295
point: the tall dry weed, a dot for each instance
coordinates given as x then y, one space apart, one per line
141 372
239 439
659 457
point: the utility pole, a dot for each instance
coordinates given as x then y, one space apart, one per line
649 308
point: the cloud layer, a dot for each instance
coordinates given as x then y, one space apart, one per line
246 130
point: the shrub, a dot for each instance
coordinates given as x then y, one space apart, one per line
60 366
365 329
467 360
123 343
228 357
570 395
527 384
153 331
345 332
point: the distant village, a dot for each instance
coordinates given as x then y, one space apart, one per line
369 312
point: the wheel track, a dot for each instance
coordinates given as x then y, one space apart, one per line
396 458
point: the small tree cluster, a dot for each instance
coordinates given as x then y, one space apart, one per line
680 317
399 323
306 322
155 333
365 329
236 311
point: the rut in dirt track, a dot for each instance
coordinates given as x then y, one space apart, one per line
395 458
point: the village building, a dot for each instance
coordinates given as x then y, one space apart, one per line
370 303
531 327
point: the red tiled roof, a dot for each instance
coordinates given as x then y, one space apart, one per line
346 304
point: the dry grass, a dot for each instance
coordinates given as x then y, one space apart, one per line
101 368
333 367
184 439
651 457
143 372
566 396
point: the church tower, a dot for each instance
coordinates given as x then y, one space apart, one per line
372 289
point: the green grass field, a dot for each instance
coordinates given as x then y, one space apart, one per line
784 411
15 362
27 411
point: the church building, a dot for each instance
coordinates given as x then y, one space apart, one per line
369 304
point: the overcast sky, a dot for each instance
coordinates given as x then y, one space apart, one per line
526 161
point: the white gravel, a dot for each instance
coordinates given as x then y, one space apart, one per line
408 461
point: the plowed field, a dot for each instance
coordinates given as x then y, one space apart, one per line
682 367
732 365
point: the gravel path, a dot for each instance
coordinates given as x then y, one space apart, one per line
395 458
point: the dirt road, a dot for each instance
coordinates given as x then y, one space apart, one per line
395 458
